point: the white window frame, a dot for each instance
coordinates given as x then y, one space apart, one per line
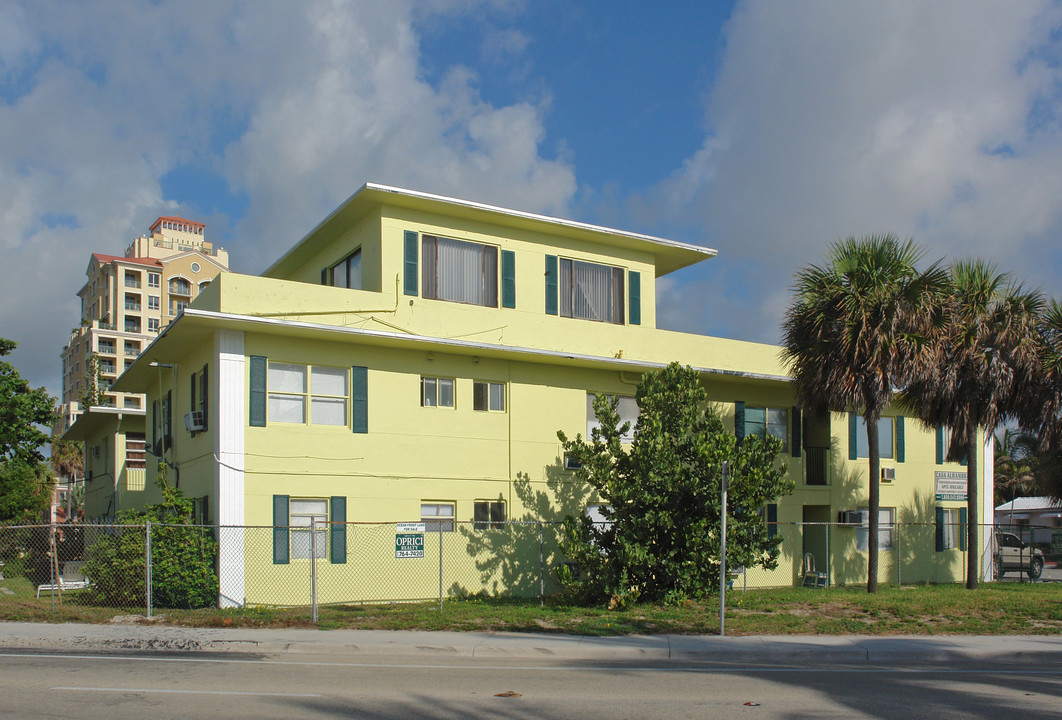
433 395
154 280
886 529
434 513
153 325
574 300
886 440
951 528
302 512
628 411
488 396
771 426
154 302
310 394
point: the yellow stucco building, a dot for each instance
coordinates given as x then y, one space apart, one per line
412 358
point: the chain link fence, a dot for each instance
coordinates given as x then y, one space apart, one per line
142 568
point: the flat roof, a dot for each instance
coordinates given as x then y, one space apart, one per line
670 255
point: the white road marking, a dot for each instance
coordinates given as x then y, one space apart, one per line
184 692
673 666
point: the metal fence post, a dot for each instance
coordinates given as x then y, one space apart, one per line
829 575
899 553
440 563
313 569
147 566
541 576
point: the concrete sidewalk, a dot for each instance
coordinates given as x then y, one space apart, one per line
363 644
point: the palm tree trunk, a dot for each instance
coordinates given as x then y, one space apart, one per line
972 547
873 506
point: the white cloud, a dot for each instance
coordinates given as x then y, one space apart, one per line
832 119
295 104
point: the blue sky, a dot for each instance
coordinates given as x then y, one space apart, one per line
763 130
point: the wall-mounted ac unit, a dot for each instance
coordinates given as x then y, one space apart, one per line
193 421
888 474
850 517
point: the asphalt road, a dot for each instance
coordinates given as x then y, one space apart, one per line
117 686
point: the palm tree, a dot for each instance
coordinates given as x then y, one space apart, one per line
857 329
68 462
986 359
1043 410
1015 464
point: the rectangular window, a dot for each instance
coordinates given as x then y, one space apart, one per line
153 280
176 305
153 302
488 514
107 346
628 412
132 324
132 280
459 271
886 519
133 403
437 516
949 528
132 348
885 438
295 389
437 392
762 422
488 396
153 325
199 397
347 272
591 291
302 514
135 449
132 302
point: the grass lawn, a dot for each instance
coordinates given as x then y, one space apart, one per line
1029 609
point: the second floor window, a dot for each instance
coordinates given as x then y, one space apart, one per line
764 422
347 272
591 291
180 286
289 394
153 280
460 271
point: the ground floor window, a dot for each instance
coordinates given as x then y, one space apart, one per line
437 516
304 513
489 514
886 521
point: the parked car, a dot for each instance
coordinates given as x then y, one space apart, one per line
1013 554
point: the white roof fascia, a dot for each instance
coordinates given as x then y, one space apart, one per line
463 344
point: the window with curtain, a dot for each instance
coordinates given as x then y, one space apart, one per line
459 271
627 408
591 291
304 513
886 523
295 388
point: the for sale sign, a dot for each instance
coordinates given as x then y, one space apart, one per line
409 545
951 486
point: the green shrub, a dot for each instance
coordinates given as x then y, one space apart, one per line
182 557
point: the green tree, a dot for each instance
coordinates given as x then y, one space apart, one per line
662 496
1015 465
1042 409
94 382
25 487
985 358
182 556
856 330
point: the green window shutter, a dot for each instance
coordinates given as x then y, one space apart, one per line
797 435
900 450
551 284
940 445
739 420
853 429
191 405
359 386
508 273
962 529
204 397
280 530
635 292
772 520
258 391
338 507
410 275
940 529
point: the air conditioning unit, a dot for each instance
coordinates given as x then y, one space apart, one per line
888 474
193 421
850 517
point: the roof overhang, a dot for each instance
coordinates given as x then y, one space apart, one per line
195 326
670 255
97 419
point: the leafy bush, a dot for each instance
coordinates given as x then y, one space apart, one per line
182 557
661 539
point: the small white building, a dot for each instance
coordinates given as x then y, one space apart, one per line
1032 518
